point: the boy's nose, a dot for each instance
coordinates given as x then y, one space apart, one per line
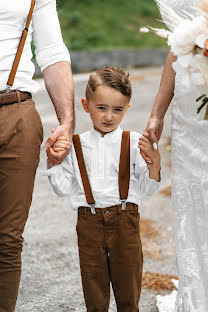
108 116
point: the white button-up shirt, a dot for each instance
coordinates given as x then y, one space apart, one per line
45 33
102 156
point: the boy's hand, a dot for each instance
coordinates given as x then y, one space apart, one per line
146 147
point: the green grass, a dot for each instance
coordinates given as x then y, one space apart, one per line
108 24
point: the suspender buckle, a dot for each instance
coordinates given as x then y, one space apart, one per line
123 204
92 208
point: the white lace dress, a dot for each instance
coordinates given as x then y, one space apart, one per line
190 195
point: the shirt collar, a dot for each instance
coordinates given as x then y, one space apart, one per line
110 135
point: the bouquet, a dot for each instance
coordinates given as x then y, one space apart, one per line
188 38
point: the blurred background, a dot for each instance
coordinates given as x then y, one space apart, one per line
100 32
108 24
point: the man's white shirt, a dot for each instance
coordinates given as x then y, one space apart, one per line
102 156
45 33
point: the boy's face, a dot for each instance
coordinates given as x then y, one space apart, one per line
106 107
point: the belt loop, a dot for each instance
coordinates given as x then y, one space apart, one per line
18 96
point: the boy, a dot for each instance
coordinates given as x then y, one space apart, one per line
106 176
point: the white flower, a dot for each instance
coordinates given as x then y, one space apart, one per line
185 37
185 60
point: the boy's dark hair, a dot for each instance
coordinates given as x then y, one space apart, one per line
113 77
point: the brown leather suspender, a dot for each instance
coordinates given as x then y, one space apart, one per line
20 49
83 172
124 170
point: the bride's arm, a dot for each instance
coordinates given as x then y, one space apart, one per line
162 101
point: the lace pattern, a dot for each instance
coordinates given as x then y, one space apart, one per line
189 192
190 201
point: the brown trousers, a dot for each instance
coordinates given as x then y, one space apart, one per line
110 251
21 135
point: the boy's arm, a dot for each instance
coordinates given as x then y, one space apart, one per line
148 178
61 176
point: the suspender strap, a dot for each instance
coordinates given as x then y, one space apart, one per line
20 48
124 167
83 170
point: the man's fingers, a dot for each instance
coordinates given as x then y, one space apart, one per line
58 149
57 157
62 144
51 158
63 138
51 140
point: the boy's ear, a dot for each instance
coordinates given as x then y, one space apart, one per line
129 105
85 105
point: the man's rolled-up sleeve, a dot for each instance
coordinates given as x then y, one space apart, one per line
47 38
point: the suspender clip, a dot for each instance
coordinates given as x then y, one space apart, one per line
92 208
123 204
8 89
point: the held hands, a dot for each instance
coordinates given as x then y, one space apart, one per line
154 129
59 150
153 156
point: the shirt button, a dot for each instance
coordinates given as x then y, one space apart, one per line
106 211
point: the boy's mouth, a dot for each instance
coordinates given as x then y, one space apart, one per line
107 124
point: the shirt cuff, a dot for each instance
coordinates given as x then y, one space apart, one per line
55 170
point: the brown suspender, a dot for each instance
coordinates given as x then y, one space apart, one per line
20 49
124 166
124 170
83 170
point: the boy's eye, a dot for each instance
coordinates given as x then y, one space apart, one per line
118 109
101 107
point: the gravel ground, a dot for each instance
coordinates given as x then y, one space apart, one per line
51 278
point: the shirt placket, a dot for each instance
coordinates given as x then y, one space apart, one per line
101 156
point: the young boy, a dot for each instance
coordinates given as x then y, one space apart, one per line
106 177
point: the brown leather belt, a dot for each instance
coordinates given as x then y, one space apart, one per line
14 96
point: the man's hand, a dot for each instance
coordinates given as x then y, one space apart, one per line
60 87
56 157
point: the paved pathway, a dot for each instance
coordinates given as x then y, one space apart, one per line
50 279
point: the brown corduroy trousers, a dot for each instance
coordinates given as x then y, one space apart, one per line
110 251
21 135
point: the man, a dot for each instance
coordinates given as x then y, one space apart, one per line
20 126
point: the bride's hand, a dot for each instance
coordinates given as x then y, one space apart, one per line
154 128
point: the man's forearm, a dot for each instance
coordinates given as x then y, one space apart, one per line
166 90
60 87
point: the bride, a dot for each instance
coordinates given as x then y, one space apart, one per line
189 179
